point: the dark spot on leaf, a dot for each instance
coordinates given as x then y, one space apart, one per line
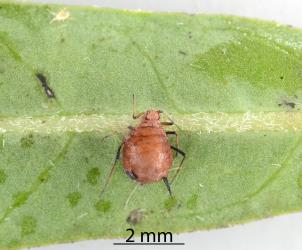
289 104
20 198
300 180
190 34
93 176
135 216
27 141
44 176
281 77
62 40
103 206
2 176
28 225
170 203
48 91
192 202
74 198
182 52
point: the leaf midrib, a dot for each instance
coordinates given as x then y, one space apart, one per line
198 122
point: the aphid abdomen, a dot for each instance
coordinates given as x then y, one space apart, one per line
147 154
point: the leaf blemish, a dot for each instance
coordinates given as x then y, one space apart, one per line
28 225
3 176
61 16
288 104
93 176
44 176
170 203
192 202
20 199
48 91
103 206
27 141
182 52
135 216
74 198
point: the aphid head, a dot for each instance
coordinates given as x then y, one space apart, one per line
153 115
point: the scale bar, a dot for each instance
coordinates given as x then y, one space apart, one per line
151 243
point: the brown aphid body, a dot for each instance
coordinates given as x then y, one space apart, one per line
147 156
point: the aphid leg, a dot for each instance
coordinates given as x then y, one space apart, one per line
165 179
134 116
138 115
177 140
130 195
170 123
167 123
132 175
117 157
180 165
131 128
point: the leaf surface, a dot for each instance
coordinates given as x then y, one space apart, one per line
232 86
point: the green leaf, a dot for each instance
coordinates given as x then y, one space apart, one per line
232 85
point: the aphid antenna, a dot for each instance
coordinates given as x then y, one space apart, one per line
135 116
117 157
